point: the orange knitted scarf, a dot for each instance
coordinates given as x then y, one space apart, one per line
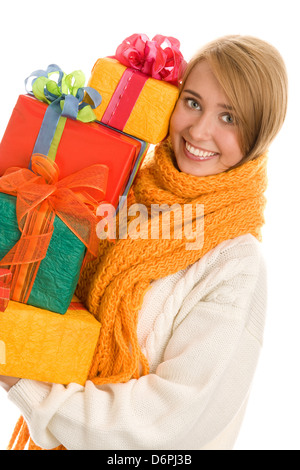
114 285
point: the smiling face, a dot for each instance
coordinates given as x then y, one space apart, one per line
203 130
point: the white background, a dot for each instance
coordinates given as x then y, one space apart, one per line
74 34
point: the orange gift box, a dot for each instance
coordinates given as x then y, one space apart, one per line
81 145
142 109
139 85
41 345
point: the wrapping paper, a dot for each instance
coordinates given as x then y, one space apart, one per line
149 117
81 145
58 274
5 283
41 345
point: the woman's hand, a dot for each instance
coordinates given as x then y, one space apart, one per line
8 382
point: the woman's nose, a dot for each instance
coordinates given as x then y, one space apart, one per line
201 128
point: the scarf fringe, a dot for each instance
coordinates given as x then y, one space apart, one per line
21 440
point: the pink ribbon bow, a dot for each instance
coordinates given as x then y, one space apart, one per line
160 58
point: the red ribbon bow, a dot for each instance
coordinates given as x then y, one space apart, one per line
160 58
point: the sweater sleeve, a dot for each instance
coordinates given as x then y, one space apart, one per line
196 390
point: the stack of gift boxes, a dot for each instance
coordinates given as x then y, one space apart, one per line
68 148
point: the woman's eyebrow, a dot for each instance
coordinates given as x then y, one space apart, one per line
221 105
225 106
193 93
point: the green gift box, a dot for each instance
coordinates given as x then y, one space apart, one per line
58 273
47 227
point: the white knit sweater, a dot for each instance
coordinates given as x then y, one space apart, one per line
201 330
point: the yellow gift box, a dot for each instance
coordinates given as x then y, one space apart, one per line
45 346
133 102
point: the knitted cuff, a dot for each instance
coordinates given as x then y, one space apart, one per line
27 394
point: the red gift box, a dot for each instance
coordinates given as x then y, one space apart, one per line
5 282
81 145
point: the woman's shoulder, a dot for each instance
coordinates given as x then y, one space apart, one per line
237 263
243 250
238 257
229 281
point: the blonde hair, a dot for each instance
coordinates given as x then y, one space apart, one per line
252 74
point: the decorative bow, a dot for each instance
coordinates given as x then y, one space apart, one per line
67 92
65 99
159 58
40 196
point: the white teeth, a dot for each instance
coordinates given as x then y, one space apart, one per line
198 152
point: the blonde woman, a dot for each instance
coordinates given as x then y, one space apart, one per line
181 328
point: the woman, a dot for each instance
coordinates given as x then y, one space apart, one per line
182 325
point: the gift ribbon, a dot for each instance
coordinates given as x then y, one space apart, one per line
124 98
41 197
5 282
65 100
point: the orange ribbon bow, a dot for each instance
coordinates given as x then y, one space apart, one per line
41 197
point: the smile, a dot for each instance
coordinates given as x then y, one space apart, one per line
199 154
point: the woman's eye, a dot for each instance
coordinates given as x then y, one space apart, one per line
228 119
192 103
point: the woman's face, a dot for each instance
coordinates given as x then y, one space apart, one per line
203 130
